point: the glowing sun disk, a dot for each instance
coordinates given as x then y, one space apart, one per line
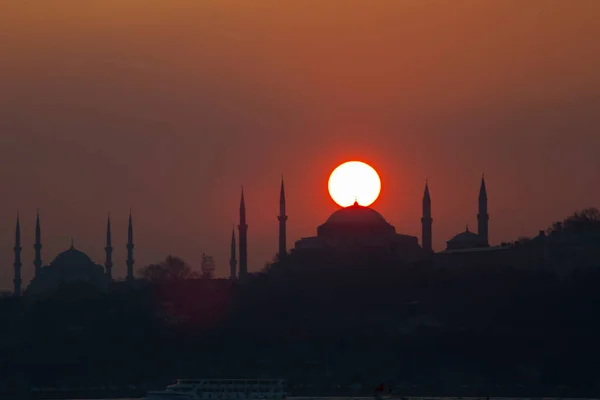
354 181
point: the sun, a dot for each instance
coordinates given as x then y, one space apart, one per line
354 181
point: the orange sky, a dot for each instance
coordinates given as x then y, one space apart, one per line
168 107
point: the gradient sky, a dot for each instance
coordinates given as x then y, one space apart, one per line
168 107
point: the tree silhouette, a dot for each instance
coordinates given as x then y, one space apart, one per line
586 220
171 269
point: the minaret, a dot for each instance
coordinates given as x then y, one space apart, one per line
17 263
130 260
282 220
37 262
108 249
426 222
232 260
483 217
243 229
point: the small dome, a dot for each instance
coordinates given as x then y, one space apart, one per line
463 237
356 214
72 257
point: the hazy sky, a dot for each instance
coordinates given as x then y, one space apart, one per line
168 107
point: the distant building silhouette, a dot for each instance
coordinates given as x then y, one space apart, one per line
282 224
232 259
243 229
17 263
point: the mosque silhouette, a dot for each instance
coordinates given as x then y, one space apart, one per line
357 229
352 229
72 267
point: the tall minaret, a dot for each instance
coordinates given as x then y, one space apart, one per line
243 228
282 220
108 249
37 262
130 260
483 217
232 260
426 221
17 263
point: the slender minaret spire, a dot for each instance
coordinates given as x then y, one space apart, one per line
243 229
130 260
37 262
17 263
232 260
426 221
282 220
483 217
108 249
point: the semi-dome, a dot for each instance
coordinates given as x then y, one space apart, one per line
72 256
356 214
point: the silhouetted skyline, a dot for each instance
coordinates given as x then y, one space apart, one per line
168 108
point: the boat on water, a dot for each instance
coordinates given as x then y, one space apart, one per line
222 389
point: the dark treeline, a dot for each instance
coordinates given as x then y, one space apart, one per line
434 329
326 324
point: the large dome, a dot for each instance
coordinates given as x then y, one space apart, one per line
72 257
357 229
356 214
70 272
